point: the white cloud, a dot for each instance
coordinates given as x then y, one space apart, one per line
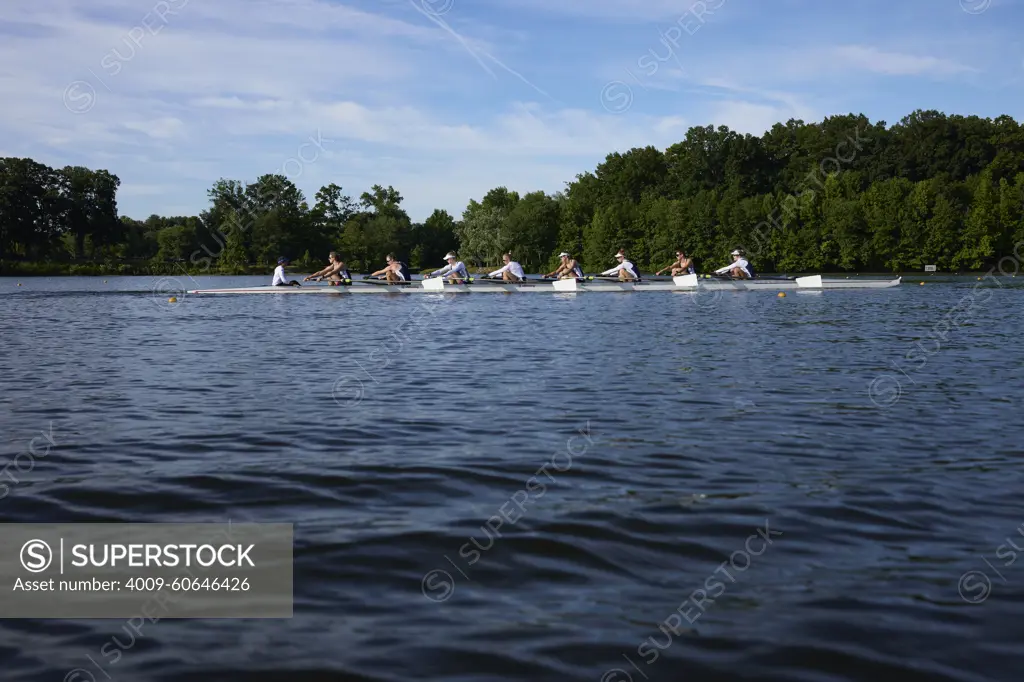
896 63
161 128
747 117
235 88
623 10
142 190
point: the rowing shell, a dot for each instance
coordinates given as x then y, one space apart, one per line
682 283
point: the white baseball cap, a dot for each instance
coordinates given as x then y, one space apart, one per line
563 255
450 255
619 255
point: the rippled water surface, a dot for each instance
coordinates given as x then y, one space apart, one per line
608 487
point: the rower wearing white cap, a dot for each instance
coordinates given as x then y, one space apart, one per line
569 269
512 272
455 270
625 270
740 267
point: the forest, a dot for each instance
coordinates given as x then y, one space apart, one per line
842 195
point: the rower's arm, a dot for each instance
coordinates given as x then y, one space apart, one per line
613 270
498 272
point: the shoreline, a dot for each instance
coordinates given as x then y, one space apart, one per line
171 269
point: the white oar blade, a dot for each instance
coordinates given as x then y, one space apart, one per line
812 282
434 284
564 284
685 281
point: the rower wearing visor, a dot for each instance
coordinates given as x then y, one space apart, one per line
683 265
455 271
740 267
512 272
569 269
626 271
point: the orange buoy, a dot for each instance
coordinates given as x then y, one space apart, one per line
172 299
782 294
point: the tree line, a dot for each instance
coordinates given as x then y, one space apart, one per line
844 194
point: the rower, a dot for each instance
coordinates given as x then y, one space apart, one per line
569 269
280 280
394 272
682 265
403 269
455 270
740 267
512 272
626 271
335 271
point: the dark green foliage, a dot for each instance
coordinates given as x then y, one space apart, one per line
843 194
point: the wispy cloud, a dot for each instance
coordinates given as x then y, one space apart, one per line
445 99
434 10
633 11
896 63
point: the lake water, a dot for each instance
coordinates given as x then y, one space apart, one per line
604 487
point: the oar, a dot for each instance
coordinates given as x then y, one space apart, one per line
730 278
445 278
379 282
609 278
525 280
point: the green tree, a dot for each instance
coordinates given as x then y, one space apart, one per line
435 237
978 238
533 225
175 242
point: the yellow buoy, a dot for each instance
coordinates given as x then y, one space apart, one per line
979 279
172 299
782 294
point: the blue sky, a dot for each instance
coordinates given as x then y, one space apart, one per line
445 99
